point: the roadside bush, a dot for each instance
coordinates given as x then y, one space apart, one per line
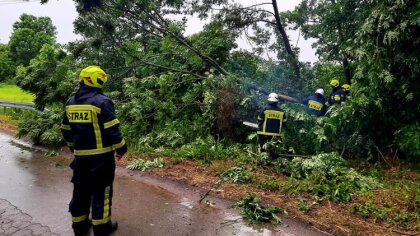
42 128
236 175
209 149
408 139
324 175
370 209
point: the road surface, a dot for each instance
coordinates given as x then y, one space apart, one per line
35 191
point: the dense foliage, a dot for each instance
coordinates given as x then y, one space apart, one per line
48 76
173 89
186 95
7 67
42 128
29 36
325 175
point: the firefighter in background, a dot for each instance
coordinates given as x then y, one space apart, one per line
270 121
346 92
316 103
336 95
92 132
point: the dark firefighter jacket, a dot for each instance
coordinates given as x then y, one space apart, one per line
89 124
270 120
346 96
336 96
316 104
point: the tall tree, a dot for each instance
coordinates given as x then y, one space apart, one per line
388 71
333 23
49 76
264 19
122 25
30 33
7 67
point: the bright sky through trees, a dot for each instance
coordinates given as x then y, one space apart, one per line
63 13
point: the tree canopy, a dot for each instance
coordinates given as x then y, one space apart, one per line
30 33
164 78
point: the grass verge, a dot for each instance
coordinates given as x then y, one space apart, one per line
12 92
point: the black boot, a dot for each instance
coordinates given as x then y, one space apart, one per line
81 228
105 229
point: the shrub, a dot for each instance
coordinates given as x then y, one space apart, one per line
42 128
303 207
325 175
236 175
408 139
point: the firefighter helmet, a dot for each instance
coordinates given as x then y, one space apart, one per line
335 83
273 97
320 91
346 87
93 76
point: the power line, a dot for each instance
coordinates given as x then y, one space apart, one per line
11 2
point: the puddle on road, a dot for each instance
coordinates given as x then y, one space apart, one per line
31 182
22 145
186 203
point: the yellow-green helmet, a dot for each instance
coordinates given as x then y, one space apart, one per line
93 76
334 83
346 87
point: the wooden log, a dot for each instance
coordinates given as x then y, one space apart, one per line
288 98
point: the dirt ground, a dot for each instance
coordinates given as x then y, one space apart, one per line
332 217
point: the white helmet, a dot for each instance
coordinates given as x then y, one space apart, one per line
320 91
273 97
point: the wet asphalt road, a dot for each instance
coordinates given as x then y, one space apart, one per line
35 191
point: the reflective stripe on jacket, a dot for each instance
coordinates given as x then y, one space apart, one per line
270 120
316 104
336 96
89 125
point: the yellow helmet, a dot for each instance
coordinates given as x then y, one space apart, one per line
93 76
334 83
346 86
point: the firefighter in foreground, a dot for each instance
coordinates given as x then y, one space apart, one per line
92 132
316 103
270 121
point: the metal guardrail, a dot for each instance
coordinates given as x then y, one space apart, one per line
18 105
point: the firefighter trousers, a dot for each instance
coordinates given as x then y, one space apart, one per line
92 180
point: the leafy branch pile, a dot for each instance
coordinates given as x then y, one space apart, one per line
42 128
325 175
142 165
255 213
236 175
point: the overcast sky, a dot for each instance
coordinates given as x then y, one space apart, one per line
63 13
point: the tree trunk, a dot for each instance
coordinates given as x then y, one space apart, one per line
345 60
346 70
285 39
